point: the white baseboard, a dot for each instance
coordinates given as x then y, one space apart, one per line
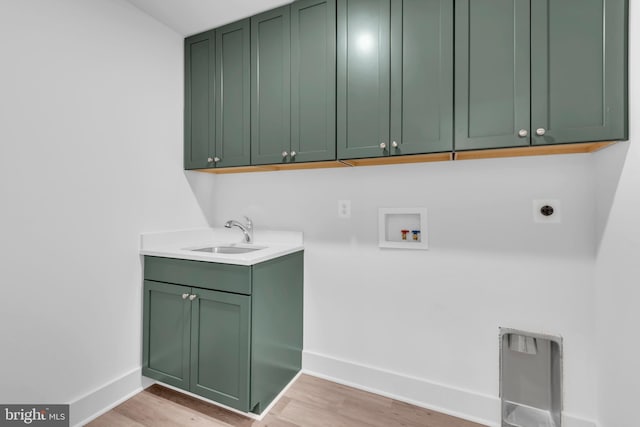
569 420
103 399
466 404
257 417
95 403
480 408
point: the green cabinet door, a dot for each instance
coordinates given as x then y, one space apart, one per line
166 327
363 78
578 78
492 73
233 98
539 72
220 340
199 94
270 87
421 76
313 80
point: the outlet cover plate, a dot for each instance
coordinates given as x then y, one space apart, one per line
554 218
344 208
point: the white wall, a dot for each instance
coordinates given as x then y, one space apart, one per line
435 315
618 266
90 157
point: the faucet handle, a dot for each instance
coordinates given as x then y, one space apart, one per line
249 222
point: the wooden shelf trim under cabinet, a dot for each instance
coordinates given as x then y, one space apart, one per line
278 167
541 150
587 147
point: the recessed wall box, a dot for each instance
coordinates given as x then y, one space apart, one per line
530 379
402 228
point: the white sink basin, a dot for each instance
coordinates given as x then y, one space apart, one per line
228 249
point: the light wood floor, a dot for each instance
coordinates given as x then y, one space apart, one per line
309 402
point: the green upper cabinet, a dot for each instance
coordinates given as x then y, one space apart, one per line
313 80
270 86
395 85
578 71
533 72
199 107
492 100
233 95
421 76
217 98
363 78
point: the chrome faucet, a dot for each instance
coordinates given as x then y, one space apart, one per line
247 229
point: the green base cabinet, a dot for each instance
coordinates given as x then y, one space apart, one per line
167 325
232 334
539 72
394 76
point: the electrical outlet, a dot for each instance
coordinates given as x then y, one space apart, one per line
547 211
344 208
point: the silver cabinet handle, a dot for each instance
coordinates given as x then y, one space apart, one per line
540 131
383 145
216 159
184 296
394 144
209 159
192 297
523 133
284 154
293 154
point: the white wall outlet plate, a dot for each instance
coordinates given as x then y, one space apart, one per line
547 211
344 208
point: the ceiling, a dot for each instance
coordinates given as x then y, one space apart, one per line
189 17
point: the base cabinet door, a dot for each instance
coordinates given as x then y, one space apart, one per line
220 344
166 323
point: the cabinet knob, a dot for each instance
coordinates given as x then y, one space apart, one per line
209 159
523 133
284 154
383 145
192 297
394 144
540 131
185 296
216 159
293 154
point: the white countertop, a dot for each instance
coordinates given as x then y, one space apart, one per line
177 244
